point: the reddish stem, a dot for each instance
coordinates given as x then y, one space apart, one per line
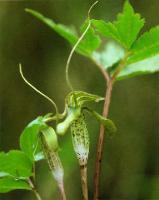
83 170
100 145
62 191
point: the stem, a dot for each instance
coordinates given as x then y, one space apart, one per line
102 70
38 197
100 145
34 172
62 191
120 66
83 170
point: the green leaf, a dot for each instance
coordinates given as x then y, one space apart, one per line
110 55
15 163
67 33
147 66
3 174
146 46
90 42
109 124
29 141
106 29
8 184
125 29
78 98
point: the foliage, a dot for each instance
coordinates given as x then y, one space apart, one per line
126 54
125 32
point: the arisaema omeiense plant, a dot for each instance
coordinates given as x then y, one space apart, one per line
73 120
39 140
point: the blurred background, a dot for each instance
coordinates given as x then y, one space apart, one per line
130 169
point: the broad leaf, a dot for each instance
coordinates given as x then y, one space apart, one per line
15 163
106 29
89 43
125 29
29 141
146 46
146 66
8 184
110 55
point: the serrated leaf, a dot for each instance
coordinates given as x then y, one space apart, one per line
147 66
78 98
8 184
15 163
29 137
89 43
125 29
146 46
110 55
106 29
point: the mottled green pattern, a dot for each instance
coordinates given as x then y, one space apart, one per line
53 160
80 139
78 98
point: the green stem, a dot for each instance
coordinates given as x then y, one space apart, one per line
38 197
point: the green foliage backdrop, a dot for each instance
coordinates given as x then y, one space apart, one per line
131 162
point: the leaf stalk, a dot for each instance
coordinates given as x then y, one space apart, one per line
100 144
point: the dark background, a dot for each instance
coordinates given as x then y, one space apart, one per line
131 160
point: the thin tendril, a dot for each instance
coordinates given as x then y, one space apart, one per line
70 56
90 9
75 46
38 91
